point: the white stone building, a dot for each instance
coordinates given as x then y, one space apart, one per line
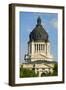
39 55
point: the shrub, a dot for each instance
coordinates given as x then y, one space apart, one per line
27 73
55 70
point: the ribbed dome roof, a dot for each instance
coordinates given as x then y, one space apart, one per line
38 33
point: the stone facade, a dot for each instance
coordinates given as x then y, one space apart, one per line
39 51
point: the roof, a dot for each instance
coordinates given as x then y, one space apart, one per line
38 33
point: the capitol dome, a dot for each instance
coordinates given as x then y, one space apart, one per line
38 33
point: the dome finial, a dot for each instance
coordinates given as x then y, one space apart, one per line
39 21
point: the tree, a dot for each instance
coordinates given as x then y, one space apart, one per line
27 73
55 70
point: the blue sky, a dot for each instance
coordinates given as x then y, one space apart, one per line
28 21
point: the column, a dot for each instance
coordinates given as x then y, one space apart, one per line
37 48
28 48
41 47
32 47
45 48
48 48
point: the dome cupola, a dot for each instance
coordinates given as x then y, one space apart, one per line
38 33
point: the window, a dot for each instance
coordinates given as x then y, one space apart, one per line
36 47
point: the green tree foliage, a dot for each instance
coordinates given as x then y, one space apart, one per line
27 73
55 70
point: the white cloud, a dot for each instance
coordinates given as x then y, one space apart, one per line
28 30
43 24
54 23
